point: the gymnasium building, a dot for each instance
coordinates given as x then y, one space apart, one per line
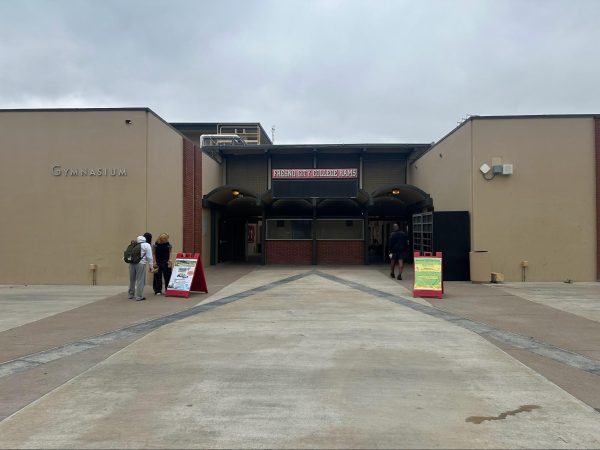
79 184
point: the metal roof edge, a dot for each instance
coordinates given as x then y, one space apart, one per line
316 146
133 108
536 116
435 144
514 116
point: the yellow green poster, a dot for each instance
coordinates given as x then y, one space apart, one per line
428 274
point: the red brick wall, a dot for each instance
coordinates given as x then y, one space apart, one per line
340 252
289 252
192 198
597 122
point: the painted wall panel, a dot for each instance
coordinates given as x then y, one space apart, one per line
212 178
447 178
56 226
249 172
377 174
545 212
165 182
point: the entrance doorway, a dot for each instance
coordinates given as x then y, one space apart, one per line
379 233
240 240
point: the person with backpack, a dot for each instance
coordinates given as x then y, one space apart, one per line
138 255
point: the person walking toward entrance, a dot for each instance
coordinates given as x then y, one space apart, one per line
397 245
137 271
162 263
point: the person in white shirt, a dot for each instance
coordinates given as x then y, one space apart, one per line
137 272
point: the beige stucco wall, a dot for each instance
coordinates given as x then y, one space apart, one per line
165 182
545 212
212 176
56 226
447 179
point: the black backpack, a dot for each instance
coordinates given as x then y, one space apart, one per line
133 253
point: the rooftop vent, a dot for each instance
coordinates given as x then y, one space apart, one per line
210 140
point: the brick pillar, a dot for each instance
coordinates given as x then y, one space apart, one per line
192 198
197 200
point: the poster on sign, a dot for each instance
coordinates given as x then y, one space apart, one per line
251 233
428 275
187 275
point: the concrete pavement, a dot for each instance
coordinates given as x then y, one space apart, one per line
26 304
312 362
581 299
47 328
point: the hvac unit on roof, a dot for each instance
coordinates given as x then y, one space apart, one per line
208 140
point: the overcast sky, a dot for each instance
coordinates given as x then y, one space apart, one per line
326 71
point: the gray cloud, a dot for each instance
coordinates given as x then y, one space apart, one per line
320 71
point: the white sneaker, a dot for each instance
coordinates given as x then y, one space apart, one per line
157 293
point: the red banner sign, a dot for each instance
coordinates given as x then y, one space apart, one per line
307 174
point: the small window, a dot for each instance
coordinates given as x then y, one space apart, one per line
297 229
340 229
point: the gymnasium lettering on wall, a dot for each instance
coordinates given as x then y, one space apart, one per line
58 171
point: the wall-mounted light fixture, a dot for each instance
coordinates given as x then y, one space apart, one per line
93 269
496 169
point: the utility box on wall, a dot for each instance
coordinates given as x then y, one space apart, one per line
448 232
481 267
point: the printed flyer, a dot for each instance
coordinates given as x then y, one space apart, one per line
428 274
183 274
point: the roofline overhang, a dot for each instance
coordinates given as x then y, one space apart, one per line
310 149
510 117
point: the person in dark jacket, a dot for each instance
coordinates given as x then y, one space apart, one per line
397 246
162 263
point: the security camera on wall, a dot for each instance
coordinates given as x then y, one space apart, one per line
485 168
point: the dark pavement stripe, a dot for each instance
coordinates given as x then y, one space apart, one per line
515 340
540 348
34 360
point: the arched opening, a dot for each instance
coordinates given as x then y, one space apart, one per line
327 230
388 205
236 224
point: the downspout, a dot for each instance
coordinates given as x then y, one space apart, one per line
471 172
269 172
360 172
263 235
366 236
314 232
213 237
597 145
146 174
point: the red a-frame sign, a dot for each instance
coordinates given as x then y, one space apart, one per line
187 276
